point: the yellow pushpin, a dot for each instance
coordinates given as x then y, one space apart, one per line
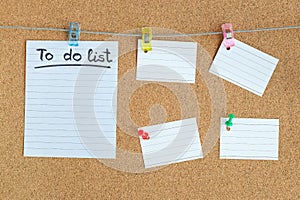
146 39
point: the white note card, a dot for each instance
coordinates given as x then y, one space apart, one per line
244 66
169 61
254 139
70 99
171 142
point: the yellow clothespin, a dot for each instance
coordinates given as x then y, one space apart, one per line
146 39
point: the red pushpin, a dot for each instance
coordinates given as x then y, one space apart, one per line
140 132
144 134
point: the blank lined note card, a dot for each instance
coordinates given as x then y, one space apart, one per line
244 66
171 142
70 101
255 139
169 61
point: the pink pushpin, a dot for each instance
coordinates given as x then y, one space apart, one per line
228 35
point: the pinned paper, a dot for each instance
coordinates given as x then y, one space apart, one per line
169 61
171 142
244 66
255 139
70 101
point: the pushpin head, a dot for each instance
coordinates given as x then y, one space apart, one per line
140 132
145 136
231 116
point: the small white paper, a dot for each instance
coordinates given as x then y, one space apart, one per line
70 101
169 61
171 142
244 66
254 139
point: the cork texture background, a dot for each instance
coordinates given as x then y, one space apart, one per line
208 178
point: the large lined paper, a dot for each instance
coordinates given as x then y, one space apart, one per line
169 61
255 139
244 66
70 102
171 142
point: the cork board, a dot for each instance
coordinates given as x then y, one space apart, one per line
208 178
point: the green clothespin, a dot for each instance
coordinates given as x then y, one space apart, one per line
229 121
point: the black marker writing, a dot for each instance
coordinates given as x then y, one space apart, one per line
107 54
75 56
72 65
48 56
94 57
